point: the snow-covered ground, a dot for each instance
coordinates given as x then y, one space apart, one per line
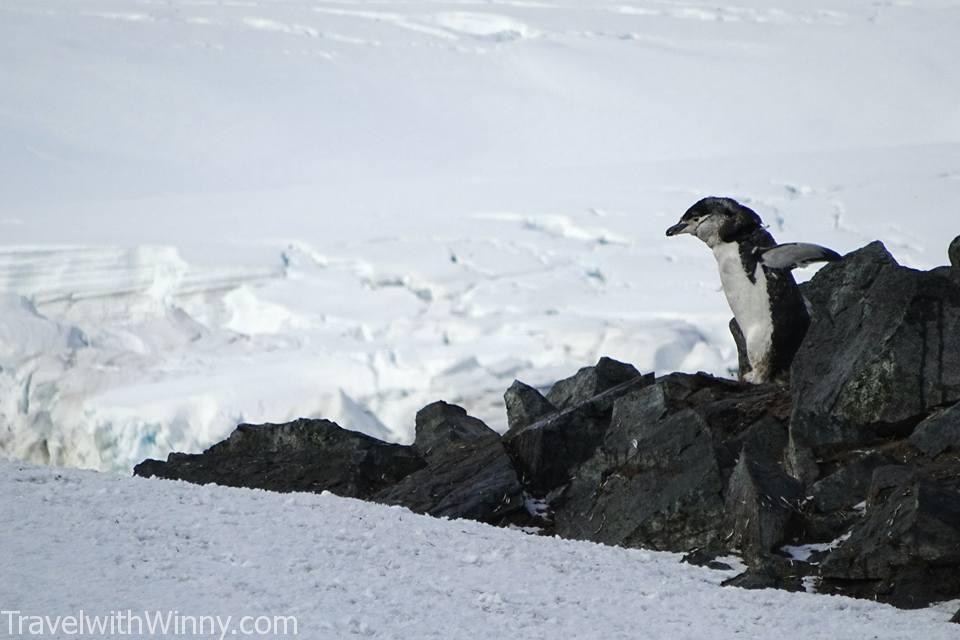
253 210
344 568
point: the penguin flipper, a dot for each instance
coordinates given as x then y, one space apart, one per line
796 254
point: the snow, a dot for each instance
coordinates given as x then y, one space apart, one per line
804 551
343 567
215 212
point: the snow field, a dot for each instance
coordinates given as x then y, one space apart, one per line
346 568
218 212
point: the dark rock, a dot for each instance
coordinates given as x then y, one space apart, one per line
848 485
883 349
446 426
886 479
589 382
654 481
732 410
304 455
956 617
813 527
954 252
751 416
759 578
547 452
906 550
760 501
686 389
739 415
938 433
657 478
800 461
772 573
478 484
837 501
525 405
707 557
468 473
765 439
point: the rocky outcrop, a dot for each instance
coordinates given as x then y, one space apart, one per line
954 252
590 382
467 475
939 433
848 485
774 572
457 467
906 550
846 482
548 451
883 351
653 484
525 405
760 502
658 477
304 455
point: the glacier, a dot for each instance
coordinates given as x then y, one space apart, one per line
224 212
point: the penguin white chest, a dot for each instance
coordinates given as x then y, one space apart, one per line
750 303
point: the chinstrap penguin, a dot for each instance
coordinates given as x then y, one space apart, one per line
755 275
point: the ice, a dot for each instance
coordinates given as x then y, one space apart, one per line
216 212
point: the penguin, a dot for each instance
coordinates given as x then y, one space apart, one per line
755 272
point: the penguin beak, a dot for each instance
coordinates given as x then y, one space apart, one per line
677 229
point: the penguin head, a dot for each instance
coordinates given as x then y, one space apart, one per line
716 220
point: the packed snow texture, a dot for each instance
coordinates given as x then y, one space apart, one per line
217 212
344 567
